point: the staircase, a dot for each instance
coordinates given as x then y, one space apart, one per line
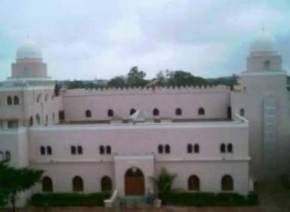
134 202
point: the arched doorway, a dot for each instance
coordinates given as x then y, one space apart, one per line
134 182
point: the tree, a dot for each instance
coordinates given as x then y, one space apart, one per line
135 78
117 82
163 183
15 180
182 78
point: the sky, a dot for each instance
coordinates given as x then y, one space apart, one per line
89 39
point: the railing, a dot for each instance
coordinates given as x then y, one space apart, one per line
109 203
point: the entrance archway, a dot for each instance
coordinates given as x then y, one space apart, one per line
134 182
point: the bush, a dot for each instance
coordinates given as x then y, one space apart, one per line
68 199
209 199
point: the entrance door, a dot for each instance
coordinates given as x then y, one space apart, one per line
134 182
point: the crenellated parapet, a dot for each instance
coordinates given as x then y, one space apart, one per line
147 90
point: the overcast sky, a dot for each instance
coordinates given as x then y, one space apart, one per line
88 39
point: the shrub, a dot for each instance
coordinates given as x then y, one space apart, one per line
208 199
68 199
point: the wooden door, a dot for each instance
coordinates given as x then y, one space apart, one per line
134 182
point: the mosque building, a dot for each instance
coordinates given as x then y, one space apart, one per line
89 140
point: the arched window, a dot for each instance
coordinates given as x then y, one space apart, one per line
132 111
178 111
267 64
167 149
229 113
49 150
155 112
227 183
80 150
38 98
201 111
108 150
42 150
189 148
2 157
16 100
77 184
110 113
37 117
242 112
31 121
73 150
106 184
102 149
222 148
230 148
193 183
88 113
7 156
160 149
196 148
47 185
9 100
46 120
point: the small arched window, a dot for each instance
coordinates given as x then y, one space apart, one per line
46 120
49 150
167 149
178 111
160 149
222 148
196 148
77 184
38 98
37 117
267 64
227 183
110 113
106 184
7 156
80 150
189 148
108 150
16 100
88 113
102 150
242 112
31 121
47 185
9 100
193 183
201 111
155 112
42 150
73 150
132 111
230 148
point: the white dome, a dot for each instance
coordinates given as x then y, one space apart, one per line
263 43
28 50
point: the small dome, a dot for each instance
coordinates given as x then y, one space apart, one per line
28 50
263 43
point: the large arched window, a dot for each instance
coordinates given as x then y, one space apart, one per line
222 148
16 100
7 156
88 113
227 183
178 111
201 111
155 112
9 100
230 148
193 183
110 113
47 185
196 148
106 184
132 111
167 149
77 184
242 112
160 149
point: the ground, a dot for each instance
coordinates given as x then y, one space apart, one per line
273 198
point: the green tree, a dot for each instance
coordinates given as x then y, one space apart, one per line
117 82
182 78
163 183
136 77
15 180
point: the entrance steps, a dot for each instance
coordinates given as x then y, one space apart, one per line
134 202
